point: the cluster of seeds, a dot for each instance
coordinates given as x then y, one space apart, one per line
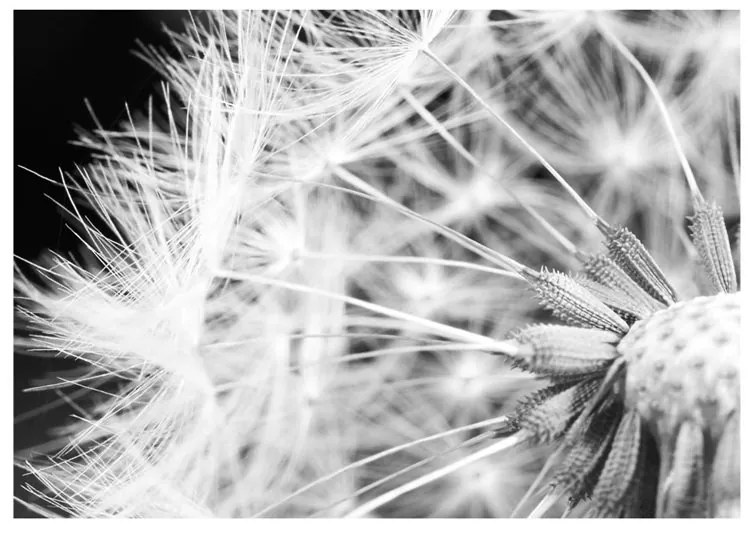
292 264
642 389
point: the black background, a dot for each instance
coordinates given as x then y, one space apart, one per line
62 58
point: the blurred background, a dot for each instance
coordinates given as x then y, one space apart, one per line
61 59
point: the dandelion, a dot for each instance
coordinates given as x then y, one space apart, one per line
312 293
613 464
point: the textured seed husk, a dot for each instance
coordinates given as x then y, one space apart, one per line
551 419
603 399
626 250
685 491
561 351
531 401
634 504
584 491
622 306
711 241
574 304
620 467
725 484
625 295
640 499
586 454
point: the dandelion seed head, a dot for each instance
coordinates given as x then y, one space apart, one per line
422 289
535 31
713 40
468 381
481 192
265 307
480 490
623 153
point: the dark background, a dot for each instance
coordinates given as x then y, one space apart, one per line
60 59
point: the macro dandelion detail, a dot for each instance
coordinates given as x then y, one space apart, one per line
308 284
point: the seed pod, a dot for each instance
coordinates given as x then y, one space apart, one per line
586 454
530 401
618 303
538 397
603 398
631 504
726 472
640 499
565 350
551 419
626 294
712 243
619 470
630 255
585 490
574 304
685 492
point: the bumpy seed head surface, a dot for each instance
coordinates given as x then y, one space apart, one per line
683 363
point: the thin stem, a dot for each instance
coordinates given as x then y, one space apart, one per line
408 260
451 140
457 347
404 470
580 202
732 141
442 329
552 460
545 505
500 446
624 51
468 243
382 454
